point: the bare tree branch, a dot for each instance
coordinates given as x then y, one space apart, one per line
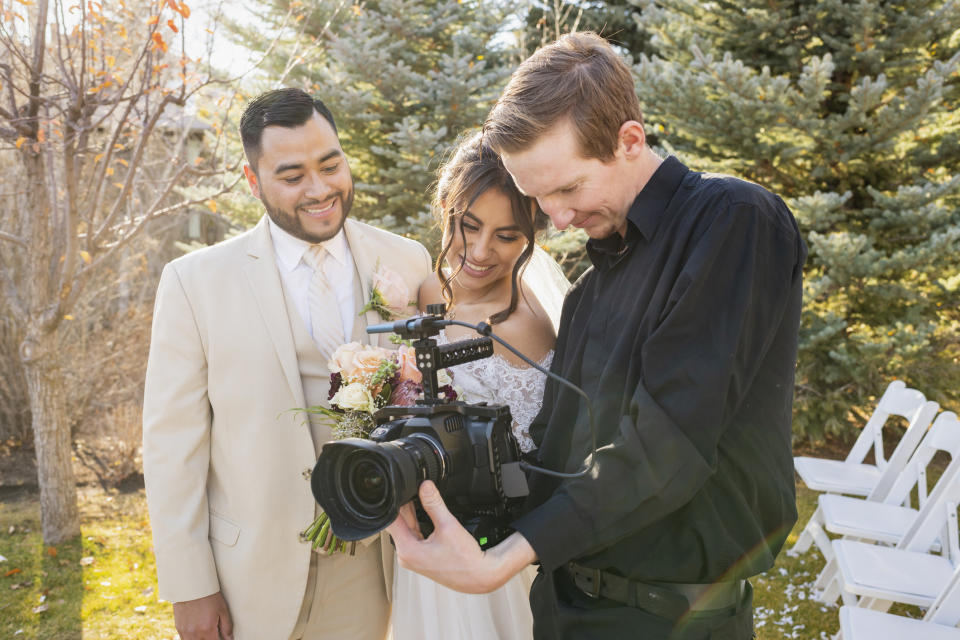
14 239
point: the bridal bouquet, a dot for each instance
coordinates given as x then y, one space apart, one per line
363 379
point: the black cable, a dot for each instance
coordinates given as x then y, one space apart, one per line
485 329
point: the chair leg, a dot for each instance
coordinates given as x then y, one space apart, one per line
807 536
827 575
831 591
849 598
823 541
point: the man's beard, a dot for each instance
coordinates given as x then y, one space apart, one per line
290 222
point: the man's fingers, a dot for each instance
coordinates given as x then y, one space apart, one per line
433 504
403 539
409 514
226 624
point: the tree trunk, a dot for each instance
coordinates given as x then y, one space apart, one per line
51 437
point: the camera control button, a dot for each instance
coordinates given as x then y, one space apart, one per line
306 473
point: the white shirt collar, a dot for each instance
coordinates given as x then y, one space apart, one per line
290 249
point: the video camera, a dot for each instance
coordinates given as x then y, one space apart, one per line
468 450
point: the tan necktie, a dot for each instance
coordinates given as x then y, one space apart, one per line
325 323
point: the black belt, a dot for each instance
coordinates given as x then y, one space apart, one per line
666 599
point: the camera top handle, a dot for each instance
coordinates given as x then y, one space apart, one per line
431 357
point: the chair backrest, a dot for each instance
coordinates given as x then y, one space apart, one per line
937 516
898 400
945 609
944 435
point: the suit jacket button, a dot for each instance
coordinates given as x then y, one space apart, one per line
306 473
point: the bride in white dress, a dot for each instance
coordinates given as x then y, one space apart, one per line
489 269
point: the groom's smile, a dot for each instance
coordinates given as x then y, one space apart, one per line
303 179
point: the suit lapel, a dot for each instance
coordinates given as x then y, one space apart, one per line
364 256
261 271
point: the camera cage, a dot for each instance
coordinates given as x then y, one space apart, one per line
487 482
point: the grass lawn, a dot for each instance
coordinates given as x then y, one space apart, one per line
104 585
101 586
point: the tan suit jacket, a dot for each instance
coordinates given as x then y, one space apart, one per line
223 456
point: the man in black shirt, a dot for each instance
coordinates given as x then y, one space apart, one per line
684 335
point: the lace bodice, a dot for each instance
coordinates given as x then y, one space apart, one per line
497 381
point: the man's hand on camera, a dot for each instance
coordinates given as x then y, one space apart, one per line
450 555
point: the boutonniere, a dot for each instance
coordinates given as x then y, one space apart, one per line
389 294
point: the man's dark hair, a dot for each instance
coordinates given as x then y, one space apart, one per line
280 107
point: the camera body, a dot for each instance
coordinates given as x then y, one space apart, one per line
468 450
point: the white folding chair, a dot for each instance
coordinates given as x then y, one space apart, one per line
852 475
907 573
939 623
886 521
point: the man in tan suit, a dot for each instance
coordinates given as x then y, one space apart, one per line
242 333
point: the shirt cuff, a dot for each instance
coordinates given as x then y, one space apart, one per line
556 531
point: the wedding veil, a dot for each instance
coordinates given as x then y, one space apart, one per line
544 278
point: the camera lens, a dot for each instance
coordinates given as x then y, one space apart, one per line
366 483
362 484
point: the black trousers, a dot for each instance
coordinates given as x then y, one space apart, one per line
561 611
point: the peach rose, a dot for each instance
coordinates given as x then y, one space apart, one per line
343 360
393 289
367 360
407 364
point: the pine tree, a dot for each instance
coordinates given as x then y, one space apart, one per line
547 20
847 109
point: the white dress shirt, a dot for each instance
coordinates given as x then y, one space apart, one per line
296 274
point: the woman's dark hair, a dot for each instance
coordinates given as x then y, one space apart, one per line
280 107
474 168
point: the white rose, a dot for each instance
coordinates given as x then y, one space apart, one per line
353 397
443 378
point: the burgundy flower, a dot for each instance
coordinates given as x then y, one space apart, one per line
405 393
336 381
448 393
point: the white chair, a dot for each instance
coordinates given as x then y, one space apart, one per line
852 475
939 623
879 575
887 521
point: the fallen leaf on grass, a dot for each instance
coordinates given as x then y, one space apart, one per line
84 561
41 608
148 591
2 559
52 552
141 609
12 572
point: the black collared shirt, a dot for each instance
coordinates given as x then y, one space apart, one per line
684 335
